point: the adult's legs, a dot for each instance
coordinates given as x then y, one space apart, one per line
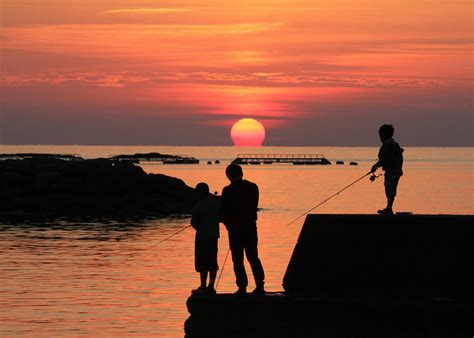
251 251
237 251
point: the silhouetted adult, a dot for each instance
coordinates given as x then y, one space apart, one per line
239 215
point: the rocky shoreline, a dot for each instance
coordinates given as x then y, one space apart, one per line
50 187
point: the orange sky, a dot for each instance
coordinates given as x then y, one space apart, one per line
181 72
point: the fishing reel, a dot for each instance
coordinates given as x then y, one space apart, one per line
374 177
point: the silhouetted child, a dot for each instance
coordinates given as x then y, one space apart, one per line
205 220
391 161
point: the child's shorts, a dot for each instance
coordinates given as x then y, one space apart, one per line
391 183
205 255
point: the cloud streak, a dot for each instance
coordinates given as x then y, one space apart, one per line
148 10
281 79
153 10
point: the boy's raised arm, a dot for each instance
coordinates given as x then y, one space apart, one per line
377 165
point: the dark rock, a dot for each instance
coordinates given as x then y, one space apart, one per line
99 187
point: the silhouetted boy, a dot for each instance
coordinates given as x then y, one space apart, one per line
205 219
391 161
239 214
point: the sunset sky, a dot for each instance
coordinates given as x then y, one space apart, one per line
182 72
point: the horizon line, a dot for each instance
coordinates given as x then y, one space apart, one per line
227 146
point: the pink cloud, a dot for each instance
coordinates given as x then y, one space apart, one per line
262 80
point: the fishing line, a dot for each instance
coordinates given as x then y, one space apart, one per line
297 218
222 270
173 234
307 212
327 199
168 237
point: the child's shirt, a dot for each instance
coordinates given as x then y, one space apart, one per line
205 218
391 156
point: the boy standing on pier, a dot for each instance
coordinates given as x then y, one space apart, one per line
391 161
205 219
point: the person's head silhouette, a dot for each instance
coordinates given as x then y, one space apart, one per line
386 132
202 188
234 172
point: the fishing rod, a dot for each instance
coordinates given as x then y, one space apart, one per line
222 270
182 229
174 234
168 237
372 178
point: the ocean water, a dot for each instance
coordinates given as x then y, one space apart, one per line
107 278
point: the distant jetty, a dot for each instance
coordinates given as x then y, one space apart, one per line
296 159
156 157
60 186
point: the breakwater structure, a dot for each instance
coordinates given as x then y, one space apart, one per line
296 159
359 276
156 157
22 156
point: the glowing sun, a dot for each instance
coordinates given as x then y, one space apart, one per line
247 133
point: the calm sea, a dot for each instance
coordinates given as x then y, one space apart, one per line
107 278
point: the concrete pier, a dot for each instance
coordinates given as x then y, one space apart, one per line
359 276
414 256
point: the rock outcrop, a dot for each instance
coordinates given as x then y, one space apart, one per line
98 187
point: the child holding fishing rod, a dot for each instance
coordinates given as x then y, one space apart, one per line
391 161
205 219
